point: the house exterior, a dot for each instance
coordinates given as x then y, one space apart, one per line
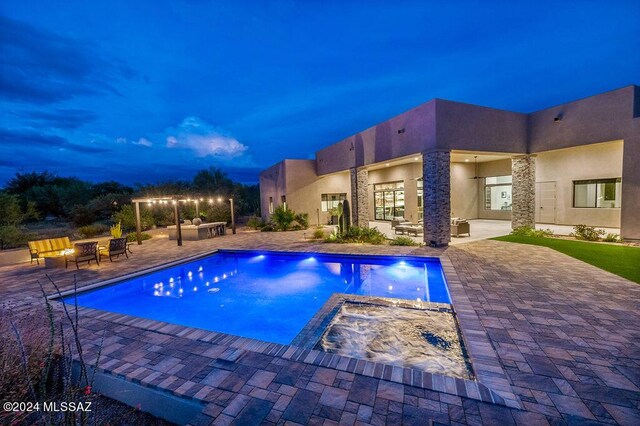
575 163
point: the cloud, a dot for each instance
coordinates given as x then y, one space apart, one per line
43 67
143 142
57 118
33 139
203 139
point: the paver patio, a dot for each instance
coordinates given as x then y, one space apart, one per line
566 334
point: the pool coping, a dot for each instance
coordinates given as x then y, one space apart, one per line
491 384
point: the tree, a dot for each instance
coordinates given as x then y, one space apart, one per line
212 181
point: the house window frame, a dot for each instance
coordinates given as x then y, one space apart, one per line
395 187
327 204
270 205
597 182
487 192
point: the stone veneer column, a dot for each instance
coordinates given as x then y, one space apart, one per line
436 173
523 204
359 197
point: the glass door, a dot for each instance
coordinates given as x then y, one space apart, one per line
388 200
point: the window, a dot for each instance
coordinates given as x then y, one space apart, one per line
388 200
329 201
270 205
497 193
283 201
597 193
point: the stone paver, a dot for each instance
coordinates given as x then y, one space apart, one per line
563 337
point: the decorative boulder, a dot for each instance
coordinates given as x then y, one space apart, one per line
197 221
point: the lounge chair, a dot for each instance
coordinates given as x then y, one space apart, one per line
398 220
116 247
83 252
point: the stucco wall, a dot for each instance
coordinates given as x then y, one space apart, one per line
604 117
382 142
603 160
272 184
464 191
476 128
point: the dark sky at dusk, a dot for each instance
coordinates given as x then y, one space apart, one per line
146 91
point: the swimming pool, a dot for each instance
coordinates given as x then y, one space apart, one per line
268 296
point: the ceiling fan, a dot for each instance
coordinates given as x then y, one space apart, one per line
475 165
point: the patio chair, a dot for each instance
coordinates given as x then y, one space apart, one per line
83 252
398 220
116 247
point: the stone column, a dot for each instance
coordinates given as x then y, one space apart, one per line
359 197
436 173
523 205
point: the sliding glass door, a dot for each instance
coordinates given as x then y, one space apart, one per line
388 200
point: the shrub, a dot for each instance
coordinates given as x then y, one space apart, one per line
11 236
612 238
283 217
91 231
356 234
127 217
132 237
116 230
403 241
318 233
303 220
268 228
528 231
255 222
10 213
588 233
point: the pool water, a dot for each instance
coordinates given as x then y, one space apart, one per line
264 295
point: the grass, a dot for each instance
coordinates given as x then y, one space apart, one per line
617 259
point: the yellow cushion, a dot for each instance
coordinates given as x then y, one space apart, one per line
60 243
40 246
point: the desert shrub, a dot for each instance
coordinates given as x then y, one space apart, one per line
283 217
303 220
90 231
318 233
217 212
403 241
528 231
356 234
587 233
116 230
612 238
255 222
82 215
268 228
11 236
132 237
127 217
10 213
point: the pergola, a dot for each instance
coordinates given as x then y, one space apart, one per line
175 200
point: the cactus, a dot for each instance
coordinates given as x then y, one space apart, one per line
116 231
346 211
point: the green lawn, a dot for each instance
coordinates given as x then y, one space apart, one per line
618 259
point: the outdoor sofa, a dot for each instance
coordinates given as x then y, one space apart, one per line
46 248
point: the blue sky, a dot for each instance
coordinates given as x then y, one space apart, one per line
146 91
